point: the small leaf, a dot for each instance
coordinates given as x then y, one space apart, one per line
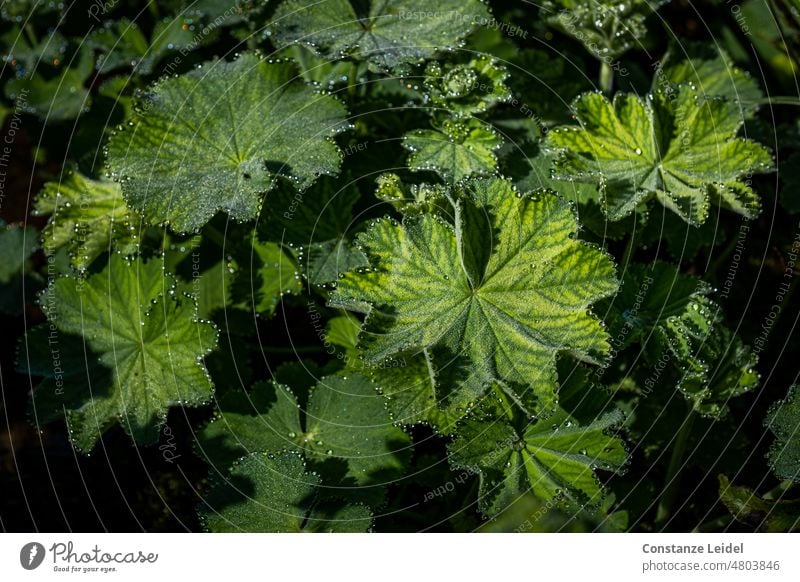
551 458
346 418
88 217
715 75
60 98
607 28
17 244
764 515
319 221
459 150
466 89
713 364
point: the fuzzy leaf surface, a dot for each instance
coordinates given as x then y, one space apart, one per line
498 295
149 348
88 217
274 493
216 138
683 151
549 458
386 34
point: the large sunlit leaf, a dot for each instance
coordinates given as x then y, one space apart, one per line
681 149
217 137
496 296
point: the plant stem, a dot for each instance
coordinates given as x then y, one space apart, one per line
352 79
726 252
626 257
606 78
31 34
672 481
780 100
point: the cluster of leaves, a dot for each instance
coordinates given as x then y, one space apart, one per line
461 252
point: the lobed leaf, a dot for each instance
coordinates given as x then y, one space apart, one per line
144 349
217 137
504 290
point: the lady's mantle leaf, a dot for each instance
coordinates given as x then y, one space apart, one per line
506 289
216 137
607 28
461 149
549 458
389 34
677 147
764 515
268 493
316 222
88 218
714 365
466 89
346 418
17 244
61 98
784 421
146 352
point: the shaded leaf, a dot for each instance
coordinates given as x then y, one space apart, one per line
266 493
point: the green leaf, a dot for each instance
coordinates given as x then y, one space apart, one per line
146 352
466 89
715 75
274 493
88 217
681 149
346 418
762 514
263 273
407 382
607 28
123 45
17 244
647 297
60 98
276 277
217 137
551 458
29 56
784 422
317 222
714 365
461 149
533 515
386 35
506 289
